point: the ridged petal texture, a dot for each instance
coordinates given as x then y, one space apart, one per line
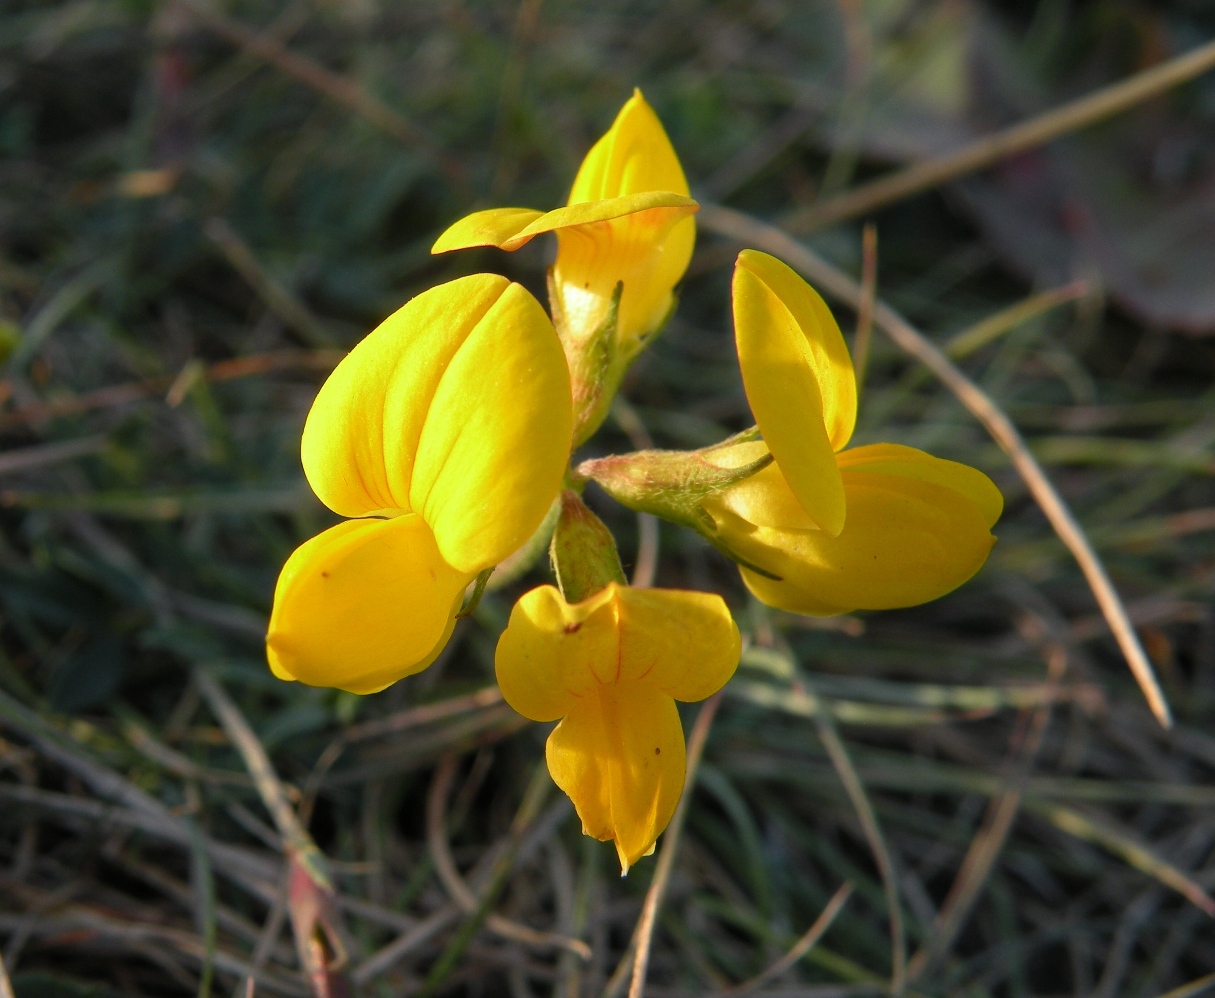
628 220
447 430
799 380
457 407
362 605
612 666
917 528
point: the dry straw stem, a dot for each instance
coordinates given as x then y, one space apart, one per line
670 845
864 311
841 760
987 845
318 933
1037 131
6 986
829 278
988 330
137 391
454 884
293 312
337 88
1192 990
799 949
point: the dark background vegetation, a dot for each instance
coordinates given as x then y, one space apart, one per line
192 226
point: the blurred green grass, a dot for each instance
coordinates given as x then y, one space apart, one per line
170 204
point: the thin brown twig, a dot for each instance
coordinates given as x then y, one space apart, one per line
137 391
455 885
975 337
312 900
988 843
670 845
990 149
864 312
746 229
427 713
799 949
339 89
277 297
837 752
6 986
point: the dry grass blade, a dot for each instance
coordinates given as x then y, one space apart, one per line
337 88
864 312
125 394
1192 990
799 949
6 986
987 845
745 228
454 884
1120 843
841 760
428 713
1105 103
312 904
278 299
994 326
644 932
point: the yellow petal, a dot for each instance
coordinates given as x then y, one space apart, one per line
685 644
648 251
764 499
496 441
552 653
456 407
491 227
896 459
634 155
362 605
799 380
907 540
619 755
362 432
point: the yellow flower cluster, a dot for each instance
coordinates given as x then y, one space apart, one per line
444 438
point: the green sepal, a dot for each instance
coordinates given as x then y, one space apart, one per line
673 485
583 551
473 599
595 367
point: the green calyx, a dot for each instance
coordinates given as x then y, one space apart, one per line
583 551
674 485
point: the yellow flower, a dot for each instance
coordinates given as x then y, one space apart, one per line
612 667
628 219
871 528
444 436
627 226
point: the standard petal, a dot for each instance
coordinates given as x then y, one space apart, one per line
685 644
676 206
491 227
619 755
647 251
634 155
907 541
907 462
496 439
552 652
362 432
362 605
788 388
